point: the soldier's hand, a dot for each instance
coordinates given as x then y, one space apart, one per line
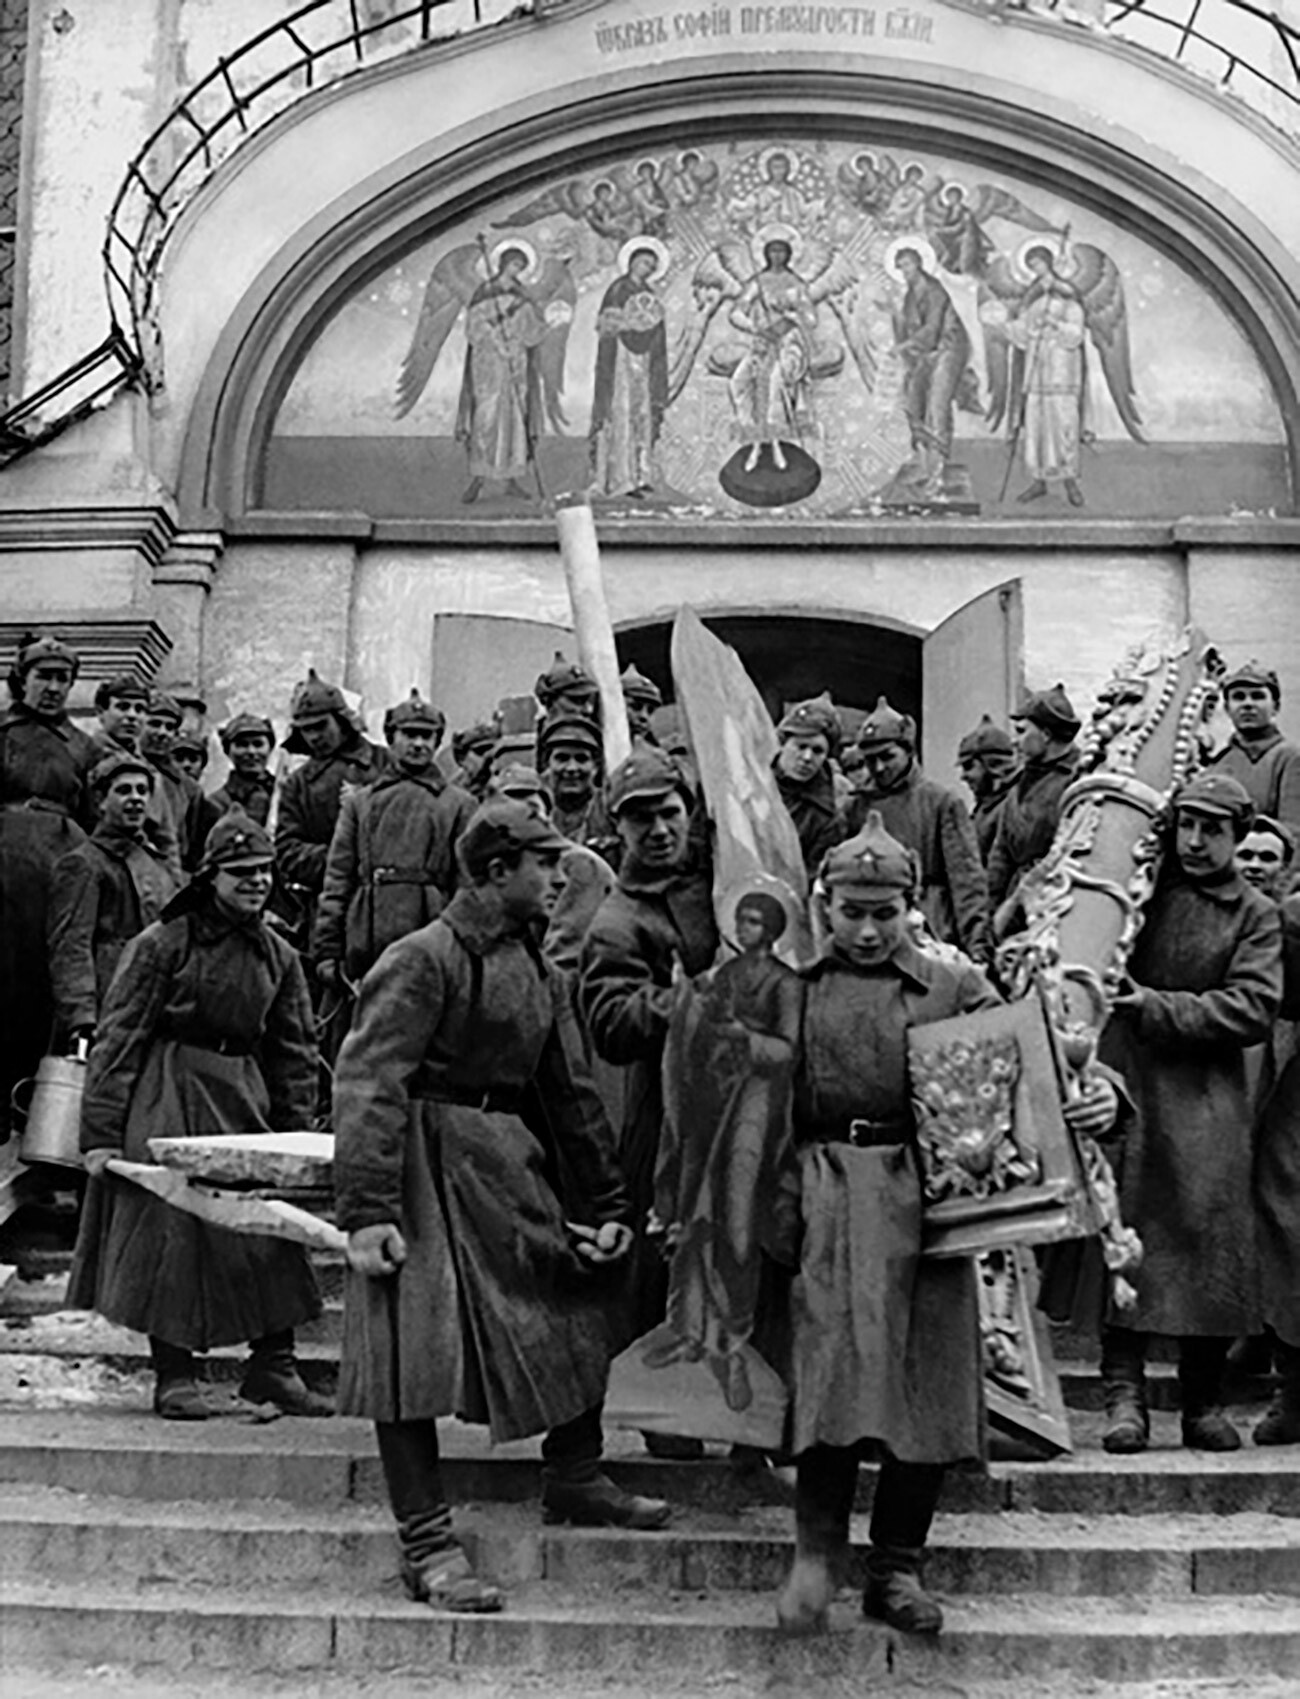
95 1161
1093 1113
377 1251
606 1243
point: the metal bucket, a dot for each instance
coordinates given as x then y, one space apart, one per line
53 1129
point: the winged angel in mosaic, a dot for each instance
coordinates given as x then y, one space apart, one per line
518 310
770 293
1042 308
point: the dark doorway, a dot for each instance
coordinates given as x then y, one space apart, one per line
791 657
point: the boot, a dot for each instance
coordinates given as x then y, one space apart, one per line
436 1570
894 1594
1280 1425
804 1602
599 1503
272 1377
1123 1366
1200 1379
177 1395
674 1448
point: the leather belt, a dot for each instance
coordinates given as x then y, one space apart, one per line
859 1130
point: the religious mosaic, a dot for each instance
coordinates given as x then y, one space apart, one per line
794 327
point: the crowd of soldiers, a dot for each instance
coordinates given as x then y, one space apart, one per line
482 953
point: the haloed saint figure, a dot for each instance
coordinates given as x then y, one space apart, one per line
631 390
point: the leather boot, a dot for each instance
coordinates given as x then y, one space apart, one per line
436 1570
273 1377
1280 1424
804 1603
894 1593
1200 1379
1123 1376
177 1395
599 1503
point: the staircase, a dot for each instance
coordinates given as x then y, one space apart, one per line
240 1552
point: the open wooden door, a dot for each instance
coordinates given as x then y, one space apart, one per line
480 658
971 664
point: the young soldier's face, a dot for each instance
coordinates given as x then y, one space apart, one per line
571 774
189 762
243 888
46 686
413 748
1251 707
159 733
122 718
638 716
1203 843
1031 741
867 923
1261 861
250 752
886 764
654 831
530 890
322 734
125 803
802 756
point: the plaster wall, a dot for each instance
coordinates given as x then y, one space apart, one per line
367 617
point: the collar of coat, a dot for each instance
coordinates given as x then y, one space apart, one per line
910 781
354 752
120 844
639 883
1226 892
477 921
906 963
21 715
433 781
817 792
249 782
1256 748
1065 762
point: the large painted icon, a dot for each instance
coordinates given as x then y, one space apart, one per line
791 328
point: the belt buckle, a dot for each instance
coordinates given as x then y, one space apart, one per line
860 1132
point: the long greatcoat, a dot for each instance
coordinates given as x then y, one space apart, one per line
391 866
933 822
309 808
44 806
493 1316
1277 1158
643 927
1211 958
1027 823
207 1029
816 814
886 1343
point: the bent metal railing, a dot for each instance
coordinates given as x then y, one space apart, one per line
1240 46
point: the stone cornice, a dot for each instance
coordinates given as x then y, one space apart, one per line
146 530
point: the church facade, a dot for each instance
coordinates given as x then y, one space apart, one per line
927 349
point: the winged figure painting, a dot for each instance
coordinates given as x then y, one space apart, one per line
1041 309
518 311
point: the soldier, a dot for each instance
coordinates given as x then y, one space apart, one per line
1207 980
568 686
190 756
207 1029
392 864
45 764
930 820
809 735
322 729
120 703
987 760
1256 755
659 916
472 750
105 891
476 1181
642 696
886 1345
247 740
189 813
1045 729
570 757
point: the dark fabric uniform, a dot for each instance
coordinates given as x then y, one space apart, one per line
207 1029
933 822
815 813
250 791
1027 823
44 804
391 866
159 811
309 809
589 826
625 996
886 1344
463 1113
191 814
1268 769
1213 957
103 893
986 813
1277 1160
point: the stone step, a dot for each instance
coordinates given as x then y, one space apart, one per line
556 1631
133 1455
47 1531
51 1356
